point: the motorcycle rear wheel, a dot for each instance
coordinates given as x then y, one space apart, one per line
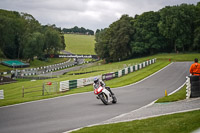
114 99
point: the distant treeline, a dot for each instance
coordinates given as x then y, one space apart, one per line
23 37
78 30
171 29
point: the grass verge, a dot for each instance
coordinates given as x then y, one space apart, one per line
175 123
179 95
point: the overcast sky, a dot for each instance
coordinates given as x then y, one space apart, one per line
90 14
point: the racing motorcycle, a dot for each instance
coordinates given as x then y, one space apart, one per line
105 95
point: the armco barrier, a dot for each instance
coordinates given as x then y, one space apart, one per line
188 88
193 86
136 67
71 84
129 69
108 76
116 75
123 72
64 85
126 70
119 73
39 70
1 94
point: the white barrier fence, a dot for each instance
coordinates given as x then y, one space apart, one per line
64 85
188 88
1 94
87 81
70 84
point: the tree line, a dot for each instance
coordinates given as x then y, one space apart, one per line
23 37
78 30
171 29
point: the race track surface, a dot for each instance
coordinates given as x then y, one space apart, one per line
69 112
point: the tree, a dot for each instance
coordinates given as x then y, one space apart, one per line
101 45
52 43
147 39
121 33
78 30
21 32
176 24
63 41
113 43
34 44
11 30
196 44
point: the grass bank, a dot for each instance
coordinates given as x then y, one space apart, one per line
179 95
175 123
80 44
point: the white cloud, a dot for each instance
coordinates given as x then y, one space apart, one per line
91 14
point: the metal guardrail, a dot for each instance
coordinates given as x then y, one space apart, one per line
72 84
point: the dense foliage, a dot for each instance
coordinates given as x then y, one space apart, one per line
171 29
78 30
23 37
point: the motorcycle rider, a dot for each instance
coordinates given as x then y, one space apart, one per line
98 83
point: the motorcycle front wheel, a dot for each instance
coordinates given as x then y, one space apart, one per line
104 98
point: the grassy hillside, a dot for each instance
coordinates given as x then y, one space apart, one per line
80 44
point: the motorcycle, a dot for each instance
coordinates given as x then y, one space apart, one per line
105 95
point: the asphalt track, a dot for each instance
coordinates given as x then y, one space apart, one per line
70 112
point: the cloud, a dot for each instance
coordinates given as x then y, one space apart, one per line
91 14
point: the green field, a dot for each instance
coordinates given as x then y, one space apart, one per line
13 92
175 123
80 44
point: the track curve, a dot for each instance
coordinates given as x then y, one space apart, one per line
75 111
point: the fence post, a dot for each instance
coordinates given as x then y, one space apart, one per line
22 91
43 89
56 87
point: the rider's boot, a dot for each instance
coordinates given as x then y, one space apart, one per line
108 88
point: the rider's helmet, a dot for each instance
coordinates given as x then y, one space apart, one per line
96 80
